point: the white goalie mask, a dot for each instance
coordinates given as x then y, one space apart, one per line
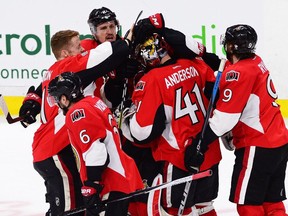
151 51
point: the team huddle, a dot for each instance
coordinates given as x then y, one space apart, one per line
122 115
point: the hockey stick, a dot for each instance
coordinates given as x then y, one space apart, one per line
126 79
140 13
6 112
208 113
211 102
199 175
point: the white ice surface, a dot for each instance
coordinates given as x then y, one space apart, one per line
22 189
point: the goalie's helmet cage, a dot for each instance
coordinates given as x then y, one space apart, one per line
243 37
99 16
68 84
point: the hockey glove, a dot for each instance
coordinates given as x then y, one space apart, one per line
193 158
123 106
129 69
129 109
91 194
146 27
227 140
30 108
212 60
113 89
132 68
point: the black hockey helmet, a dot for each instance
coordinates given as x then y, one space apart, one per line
68 84
242 37
99 16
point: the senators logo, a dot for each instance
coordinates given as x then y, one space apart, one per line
139 86
232 75
77 115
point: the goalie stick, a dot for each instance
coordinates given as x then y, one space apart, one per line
208 113
126 79
6 112
199 175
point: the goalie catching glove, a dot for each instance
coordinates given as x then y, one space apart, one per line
91 194
31 107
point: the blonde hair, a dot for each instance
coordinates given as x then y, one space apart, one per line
60 40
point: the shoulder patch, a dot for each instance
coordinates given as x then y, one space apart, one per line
232 76
101 105
140 86
77 114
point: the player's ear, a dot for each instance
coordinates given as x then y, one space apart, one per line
64 53
64 100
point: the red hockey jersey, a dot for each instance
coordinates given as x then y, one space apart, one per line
89 44
51 137
171 97
93 133
247 105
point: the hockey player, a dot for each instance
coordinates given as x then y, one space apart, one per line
52 153
170 108
247 106
106 171
183 46
104 26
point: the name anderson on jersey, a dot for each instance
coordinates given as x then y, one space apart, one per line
180 76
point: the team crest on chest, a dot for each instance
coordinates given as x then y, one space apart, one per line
232 76
77 114
140 86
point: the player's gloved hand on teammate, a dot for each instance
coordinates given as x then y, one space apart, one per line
129 68
92 201
194 157
212 60
129 110
30 108
146 27
132 68
119 110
